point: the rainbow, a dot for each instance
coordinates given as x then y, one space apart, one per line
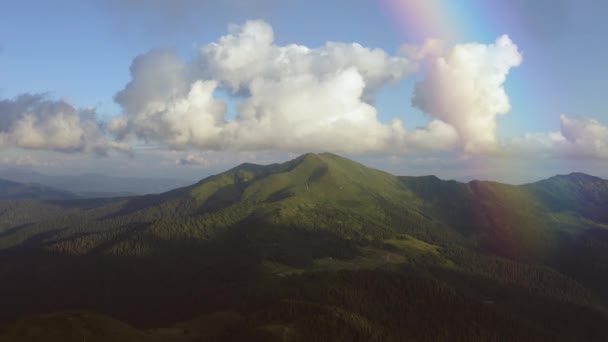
482 21
449 20
461 21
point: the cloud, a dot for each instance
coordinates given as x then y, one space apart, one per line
289 98
248 54
164 102
192 159
28 161
305 112
431 48
36 123
436 136
297 98
464 87
292 98
578 138
156 76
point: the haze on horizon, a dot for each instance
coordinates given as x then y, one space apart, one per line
183 90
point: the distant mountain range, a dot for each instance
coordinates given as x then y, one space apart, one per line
15 191
94 185
317 248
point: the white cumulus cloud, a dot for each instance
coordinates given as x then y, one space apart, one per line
248 53
291 98
578 138
464 87
36 123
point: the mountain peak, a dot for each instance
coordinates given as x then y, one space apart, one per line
576 177
319 156
308 157
307 180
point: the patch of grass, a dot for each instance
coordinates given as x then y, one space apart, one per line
409 244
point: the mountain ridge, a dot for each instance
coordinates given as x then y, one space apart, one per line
10 190
93 182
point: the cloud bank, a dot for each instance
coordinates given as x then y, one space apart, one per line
578 138
291 98
245 92
33 122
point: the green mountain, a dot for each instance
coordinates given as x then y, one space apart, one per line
16 191
321 248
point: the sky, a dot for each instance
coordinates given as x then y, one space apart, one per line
500 90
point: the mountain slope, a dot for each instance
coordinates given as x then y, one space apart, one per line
576 193
312 190
323 245
327 195
330 196
516 221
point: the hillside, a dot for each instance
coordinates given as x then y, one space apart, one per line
325 246
17 191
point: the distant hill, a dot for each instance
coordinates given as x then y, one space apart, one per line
322 248
73 327
17 191
95 185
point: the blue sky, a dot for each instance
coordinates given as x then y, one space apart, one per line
81 52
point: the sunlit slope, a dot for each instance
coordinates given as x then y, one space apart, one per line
313 194
320 193
317 192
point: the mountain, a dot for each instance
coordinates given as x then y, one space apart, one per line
94 185
72 326
321 248
17 191
517 221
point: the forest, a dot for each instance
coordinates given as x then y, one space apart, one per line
318 248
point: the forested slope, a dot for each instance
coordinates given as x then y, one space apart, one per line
322 248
